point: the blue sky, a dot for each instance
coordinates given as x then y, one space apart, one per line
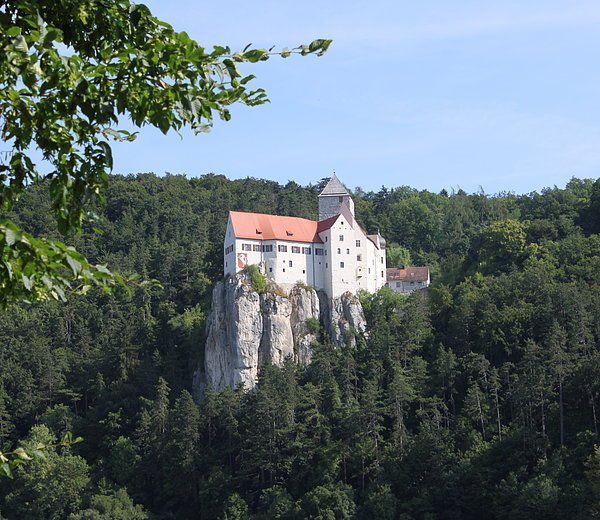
432 94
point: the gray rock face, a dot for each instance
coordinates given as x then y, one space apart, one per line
246 330
235 328
346 319
305 308
277 341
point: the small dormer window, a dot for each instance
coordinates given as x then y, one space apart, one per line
289 233
258 232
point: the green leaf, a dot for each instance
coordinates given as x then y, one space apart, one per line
12 236
13 31
107 152
27 282
20 44
75 265
21 454
5 470
38 454
256 55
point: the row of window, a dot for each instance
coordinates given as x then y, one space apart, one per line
255 247
295 249
283 249
269 248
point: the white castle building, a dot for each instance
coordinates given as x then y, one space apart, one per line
334 254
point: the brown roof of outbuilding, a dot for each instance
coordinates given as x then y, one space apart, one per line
407 274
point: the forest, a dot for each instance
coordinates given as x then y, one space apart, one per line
479 398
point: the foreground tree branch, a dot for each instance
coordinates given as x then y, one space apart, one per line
70 70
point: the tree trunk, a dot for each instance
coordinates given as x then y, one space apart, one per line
593 403
562 417
480 413
498 412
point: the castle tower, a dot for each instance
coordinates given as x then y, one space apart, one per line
332 198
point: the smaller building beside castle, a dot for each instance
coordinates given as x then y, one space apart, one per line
333 254
407 279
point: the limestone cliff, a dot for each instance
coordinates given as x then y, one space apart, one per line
246 330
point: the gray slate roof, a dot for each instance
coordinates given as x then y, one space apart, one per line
334 187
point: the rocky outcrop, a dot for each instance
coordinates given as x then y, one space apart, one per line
277 341
346 319
246 330
235 328
304 320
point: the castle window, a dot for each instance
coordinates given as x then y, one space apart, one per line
325 252
369 270
256 247
359 258
295 249
326 265
341 238
358 243
303 271
382 259
267 248
340 199
325 239
342 265
339 251
282 249
347 251
284 269
306 250
318 251
397 284
291 263
382 275
270 269
246 247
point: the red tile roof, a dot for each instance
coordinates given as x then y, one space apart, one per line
408 274
326 224
259 226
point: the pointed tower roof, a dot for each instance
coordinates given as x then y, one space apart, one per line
334 187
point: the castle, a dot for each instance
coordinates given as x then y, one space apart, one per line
333 254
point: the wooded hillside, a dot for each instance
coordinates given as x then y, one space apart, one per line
479 399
